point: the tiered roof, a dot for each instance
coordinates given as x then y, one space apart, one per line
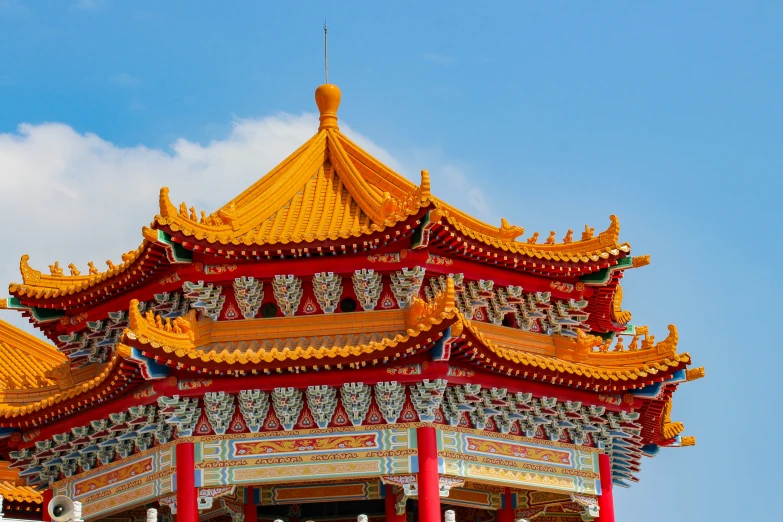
25 361
327 194
12 491
330 198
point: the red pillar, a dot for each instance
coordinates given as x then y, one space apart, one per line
428 480
187 503
251 511
391 509
47 497
506 514
606 500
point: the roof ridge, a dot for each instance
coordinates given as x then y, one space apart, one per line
369 198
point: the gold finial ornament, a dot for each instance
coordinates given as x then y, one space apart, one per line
55 269
694 373
509 232
687 441
327 97
641 261
588 233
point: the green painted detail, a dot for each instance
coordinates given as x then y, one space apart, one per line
604 336
13 303
43 315
602 276
596 278
180 253
418 234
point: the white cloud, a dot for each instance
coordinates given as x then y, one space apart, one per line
76 197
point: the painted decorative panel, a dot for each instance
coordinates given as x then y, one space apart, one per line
354 455
121 485
304 494
305 456
519 461
474 498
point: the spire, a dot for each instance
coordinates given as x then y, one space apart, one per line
327 97
326 51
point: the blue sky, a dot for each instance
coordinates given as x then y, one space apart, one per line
550 114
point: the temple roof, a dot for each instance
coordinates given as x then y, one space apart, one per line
35 377
329 189
316 341
25 361
11 491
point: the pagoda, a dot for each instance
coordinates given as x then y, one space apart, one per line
337 340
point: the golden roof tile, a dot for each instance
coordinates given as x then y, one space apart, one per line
25 361
265 341
338 336
19 402
328 189
13 493
56 283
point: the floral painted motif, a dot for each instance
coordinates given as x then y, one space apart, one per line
193 384
393 257
114 476
31 435
563 287
611 399
460 372
173 278
309 307
231 312
410 369
387 301
508 449
219 269
432 259
76 319
340 442
146 391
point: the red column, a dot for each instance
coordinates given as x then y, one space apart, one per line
507 513
428 480
251 511
391 509
187 503
47 497
606 500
